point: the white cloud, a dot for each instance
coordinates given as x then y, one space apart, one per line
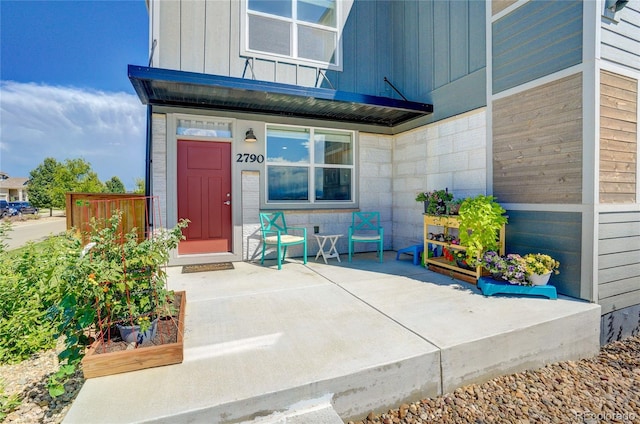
106 129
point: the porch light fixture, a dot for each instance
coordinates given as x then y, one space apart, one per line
250 137
615 5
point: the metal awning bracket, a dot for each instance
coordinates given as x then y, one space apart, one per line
395 89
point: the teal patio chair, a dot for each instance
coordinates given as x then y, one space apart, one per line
365 228
276 233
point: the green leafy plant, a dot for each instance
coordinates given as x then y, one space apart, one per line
29 289
116 279
481 219
435 201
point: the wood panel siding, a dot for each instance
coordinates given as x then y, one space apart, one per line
618 260
537 144
536 39
498 6
618 138
620 39
558 234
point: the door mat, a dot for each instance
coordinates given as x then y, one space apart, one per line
206 267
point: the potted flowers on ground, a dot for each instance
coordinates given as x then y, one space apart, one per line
540 267
509 268
532 269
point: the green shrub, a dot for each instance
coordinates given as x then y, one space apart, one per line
29 292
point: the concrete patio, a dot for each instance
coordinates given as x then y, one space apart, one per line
325 343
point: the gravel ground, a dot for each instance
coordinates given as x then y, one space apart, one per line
29 379
603 389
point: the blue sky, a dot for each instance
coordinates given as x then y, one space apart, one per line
64 90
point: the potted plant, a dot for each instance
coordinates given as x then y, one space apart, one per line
435 201
116 279
532 269
539 268
509 268
460 258
453 206
481 219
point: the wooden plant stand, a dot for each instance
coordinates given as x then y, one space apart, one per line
101 364
448 224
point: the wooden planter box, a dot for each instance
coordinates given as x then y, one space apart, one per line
101 364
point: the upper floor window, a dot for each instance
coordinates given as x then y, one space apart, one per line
306 30
309 165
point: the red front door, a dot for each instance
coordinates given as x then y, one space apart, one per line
204 196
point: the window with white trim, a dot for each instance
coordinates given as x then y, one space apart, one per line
309 165
305 30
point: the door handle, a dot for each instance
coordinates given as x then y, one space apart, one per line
228 202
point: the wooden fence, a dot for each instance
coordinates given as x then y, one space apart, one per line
82 208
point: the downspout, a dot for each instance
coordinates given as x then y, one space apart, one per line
147 171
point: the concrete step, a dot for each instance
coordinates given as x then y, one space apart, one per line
317 414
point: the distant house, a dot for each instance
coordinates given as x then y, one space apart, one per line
13 188
359 105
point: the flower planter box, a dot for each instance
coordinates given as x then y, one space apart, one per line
96 364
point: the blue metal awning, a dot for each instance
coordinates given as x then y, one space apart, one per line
168 87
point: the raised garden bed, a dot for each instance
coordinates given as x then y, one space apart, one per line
115 357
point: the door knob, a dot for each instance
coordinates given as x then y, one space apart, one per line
228 202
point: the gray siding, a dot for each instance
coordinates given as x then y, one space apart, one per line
620 41
618 260
537 39
432 51
558 234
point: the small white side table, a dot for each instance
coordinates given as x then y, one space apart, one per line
332 252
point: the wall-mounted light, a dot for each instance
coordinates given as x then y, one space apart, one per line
615 5
250 137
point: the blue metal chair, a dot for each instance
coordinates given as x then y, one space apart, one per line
365 228
276 233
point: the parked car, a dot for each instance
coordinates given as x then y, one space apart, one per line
4 208
23 208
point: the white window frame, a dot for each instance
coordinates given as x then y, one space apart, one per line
312 203
294 58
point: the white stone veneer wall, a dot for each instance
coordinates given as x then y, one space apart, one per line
159 164
251 238
446 154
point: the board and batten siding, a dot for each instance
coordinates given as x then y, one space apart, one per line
618 138
618 260
537 144
620 39
558 234
432 52
534 40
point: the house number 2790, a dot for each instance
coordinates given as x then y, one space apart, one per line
246 157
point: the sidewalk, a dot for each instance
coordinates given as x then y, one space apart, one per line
261 344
